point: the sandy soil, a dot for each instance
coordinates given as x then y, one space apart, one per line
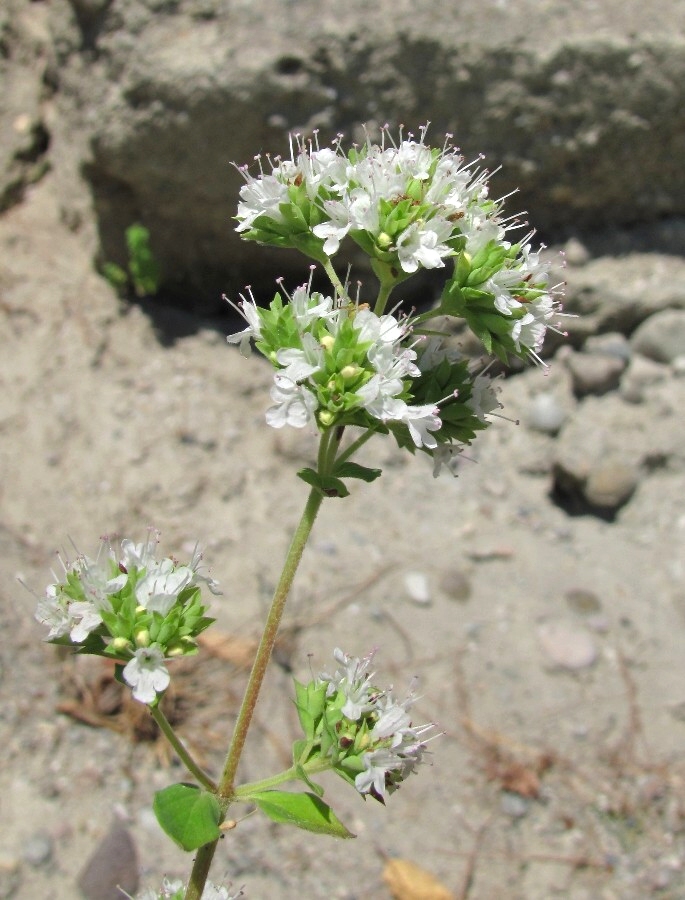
551 781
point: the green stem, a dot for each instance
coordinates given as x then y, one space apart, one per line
226 792
355 445
313 767
266 645
383 293
335 281
245 791
181 752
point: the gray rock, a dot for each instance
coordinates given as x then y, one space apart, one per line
545 413
168 98
662 337
567 646
612 343
611 484
38 849
617 294
640 375
113 865
607 430
514 805
594 373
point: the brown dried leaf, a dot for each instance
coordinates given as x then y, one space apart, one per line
520 779
407 881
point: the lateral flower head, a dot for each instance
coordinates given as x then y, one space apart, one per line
362 730
131 607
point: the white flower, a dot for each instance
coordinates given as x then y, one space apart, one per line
294 404
377 764
483 399
77 618
141 555
300 364
378 397
260 196
85 618
421 421
308 307
421 245
195 565
353 679
158 590
385 329
248 310
446 455
175 890
147 674
433 352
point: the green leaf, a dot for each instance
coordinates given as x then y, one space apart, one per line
305 811
327 484
189 815
302 774
354 470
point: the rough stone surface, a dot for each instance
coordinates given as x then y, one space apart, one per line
594 373
610 484
166 91
618 293
662 337
25 80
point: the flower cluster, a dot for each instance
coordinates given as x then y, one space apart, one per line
366 735
175 890
409 207
338 363
131 607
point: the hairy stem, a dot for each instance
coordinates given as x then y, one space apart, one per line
335 281
226 793
181 752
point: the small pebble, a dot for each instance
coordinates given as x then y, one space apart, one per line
456 585
416 585
514 805
611 484
567 646
595 373
545 413
583 601
38 849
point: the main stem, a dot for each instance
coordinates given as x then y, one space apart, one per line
226 789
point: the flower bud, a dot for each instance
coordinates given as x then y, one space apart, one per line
327 341
326 418
384 240
120 644
351 371
174 651
142 638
